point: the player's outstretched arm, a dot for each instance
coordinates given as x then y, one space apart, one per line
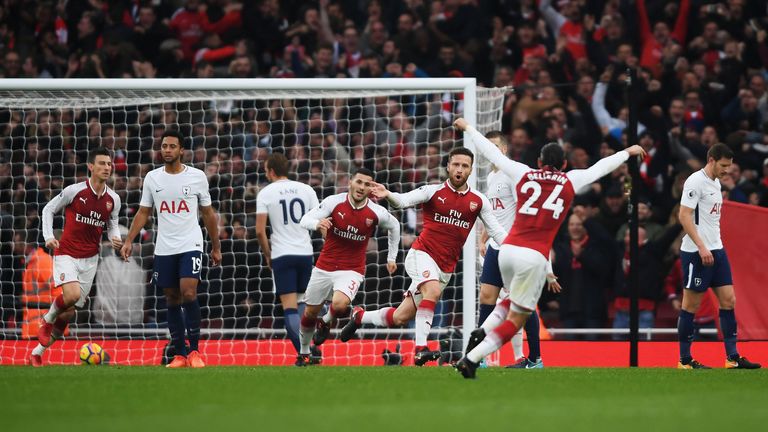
212 226
603 167
513 169
141 218
404 200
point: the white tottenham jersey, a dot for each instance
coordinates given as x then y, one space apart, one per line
704 196
176 198
501 194
286 202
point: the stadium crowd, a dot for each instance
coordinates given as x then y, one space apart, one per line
702 69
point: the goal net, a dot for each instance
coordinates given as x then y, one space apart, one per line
399 128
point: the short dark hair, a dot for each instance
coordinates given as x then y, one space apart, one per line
173 133
499 135
278 163
99 151
720 151
552 155
364 171
461 151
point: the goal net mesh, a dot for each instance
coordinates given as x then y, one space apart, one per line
403 136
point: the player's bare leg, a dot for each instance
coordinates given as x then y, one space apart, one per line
384 317
188 288
430 294
516 319
686 329
57 332
67 299
176 327
339 308
726 296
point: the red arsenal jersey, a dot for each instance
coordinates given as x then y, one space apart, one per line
86 216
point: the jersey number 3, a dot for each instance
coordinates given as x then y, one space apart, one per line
553 202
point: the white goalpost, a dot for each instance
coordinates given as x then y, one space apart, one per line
399 128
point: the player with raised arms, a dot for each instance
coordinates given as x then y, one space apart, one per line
450 210
289 251
546 195
177 191
704 261
501 194
347 221
89 207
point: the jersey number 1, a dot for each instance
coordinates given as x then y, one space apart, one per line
291 208
551 203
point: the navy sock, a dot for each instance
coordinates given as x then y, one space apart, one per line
532 332
176 328
291 318
685 331
728 327
485 312
192 318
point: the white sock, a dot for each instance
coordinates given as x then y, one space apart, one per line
39 350
490 344
377 317
52 313
305 338
327 318
496 317
424 315
517 344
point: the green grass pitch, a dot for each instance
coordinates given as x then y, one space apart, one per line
396 399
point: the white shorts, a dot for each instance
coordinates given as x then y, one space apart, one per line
421 268
323 283
524 272
67 269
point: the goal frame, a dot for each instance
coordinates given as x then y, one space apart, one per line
292 87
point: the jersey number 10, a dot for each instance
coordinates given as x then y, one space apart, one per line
551 203
290 208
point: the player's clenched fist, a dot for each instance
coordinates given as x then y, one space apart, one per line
323 226
391 267
126 250
52 244
460 124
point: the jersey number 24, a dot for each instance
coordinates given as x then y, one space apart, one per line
553 201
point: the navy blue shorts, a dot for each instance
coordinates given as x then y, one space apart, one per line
491 274
291 273
698 277
170 268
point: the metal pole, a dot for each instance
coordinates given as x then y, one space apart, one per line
634 173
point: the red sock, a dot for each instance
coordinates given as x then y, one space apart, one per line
505 331
390 317
59 326
59 302
308 322
427 304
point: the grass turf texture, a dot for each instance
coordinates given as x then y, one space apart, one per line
380 399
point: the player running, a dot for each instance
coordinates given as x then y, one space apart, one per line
90 207
176 191
347 221
501 194
449 212
704 261
546 195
